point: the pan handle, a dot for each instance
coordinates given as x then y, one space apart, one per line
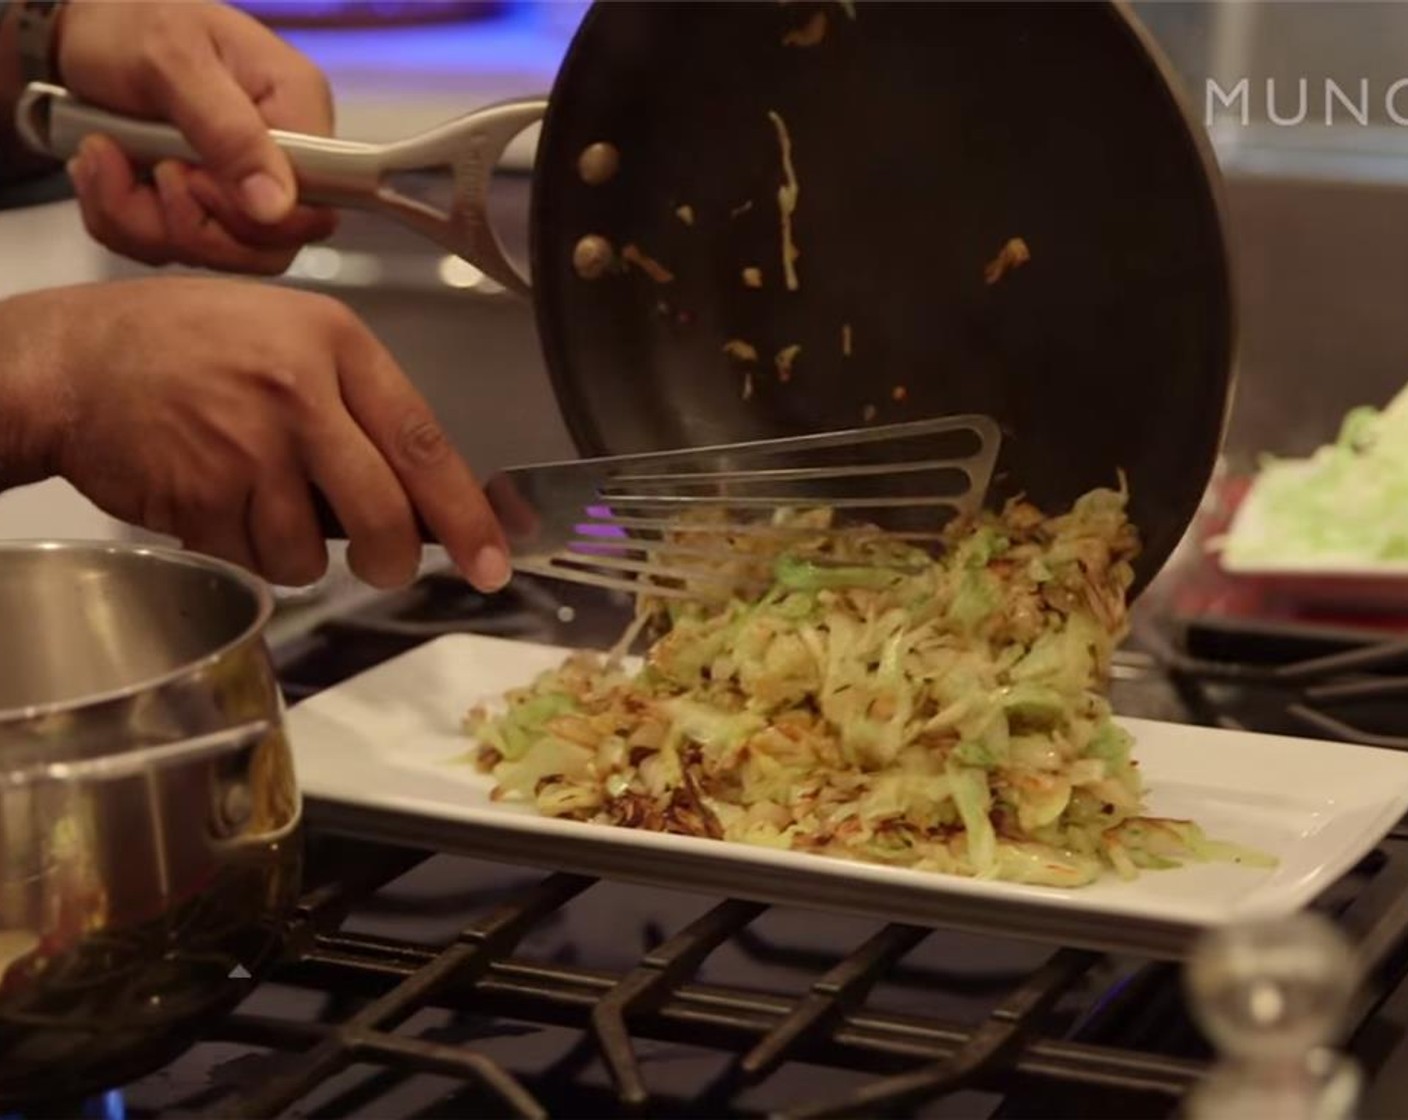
471 148
330 172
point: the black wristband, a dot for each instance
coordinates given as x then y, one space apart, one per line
36 38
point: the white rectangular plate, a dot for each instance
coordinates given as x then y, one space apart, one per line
377 756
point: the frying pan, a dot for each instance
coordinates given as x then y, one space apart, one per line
688 149
923 137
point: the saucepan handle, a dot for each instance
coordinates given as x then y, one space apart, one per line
138 760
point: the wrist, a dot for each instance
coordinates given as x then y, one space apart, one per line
34 395
38 27
17 162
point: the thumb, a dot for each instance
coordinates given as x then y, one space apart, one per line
222 123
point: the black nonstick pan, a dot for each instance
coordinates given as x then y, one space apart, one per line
924 137
767 219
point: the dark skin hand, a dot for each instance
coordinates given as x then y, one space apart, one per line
157 400
210 410
224 80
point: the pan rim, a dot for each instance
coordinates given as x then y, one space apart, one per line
262 601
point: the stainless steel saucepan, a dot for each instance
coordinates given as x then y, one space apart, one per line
148 806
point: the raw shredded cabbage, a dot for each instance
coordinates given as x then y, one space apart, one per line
873 703
1347 503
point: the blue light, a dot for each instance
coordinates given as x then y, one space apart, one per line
105 1106
1106 998
527 37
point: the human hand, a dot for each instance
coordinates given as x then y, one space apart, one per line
224 80
205 409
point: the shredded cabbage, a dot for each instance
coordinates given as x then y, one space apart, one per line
874 702
1347 503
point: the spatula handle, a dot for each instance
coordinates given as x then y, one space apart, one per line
332 172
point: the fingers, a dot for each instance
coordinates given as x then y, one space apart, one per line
268 525
304 224
194 89
118 210
273 533
438 482
223 80
383 546
289 93
170 221
298 98
194 237
286 543
216 531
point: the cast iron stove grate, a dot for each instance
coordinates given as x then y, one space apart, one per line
1290 679
1079 1034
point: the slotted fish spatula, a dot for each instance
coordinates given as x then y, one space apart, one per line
623 521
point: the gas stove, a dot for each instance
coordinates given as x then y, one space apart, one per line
418 984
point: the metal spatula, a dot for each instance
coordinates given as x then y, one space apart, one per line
331 172
623 522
